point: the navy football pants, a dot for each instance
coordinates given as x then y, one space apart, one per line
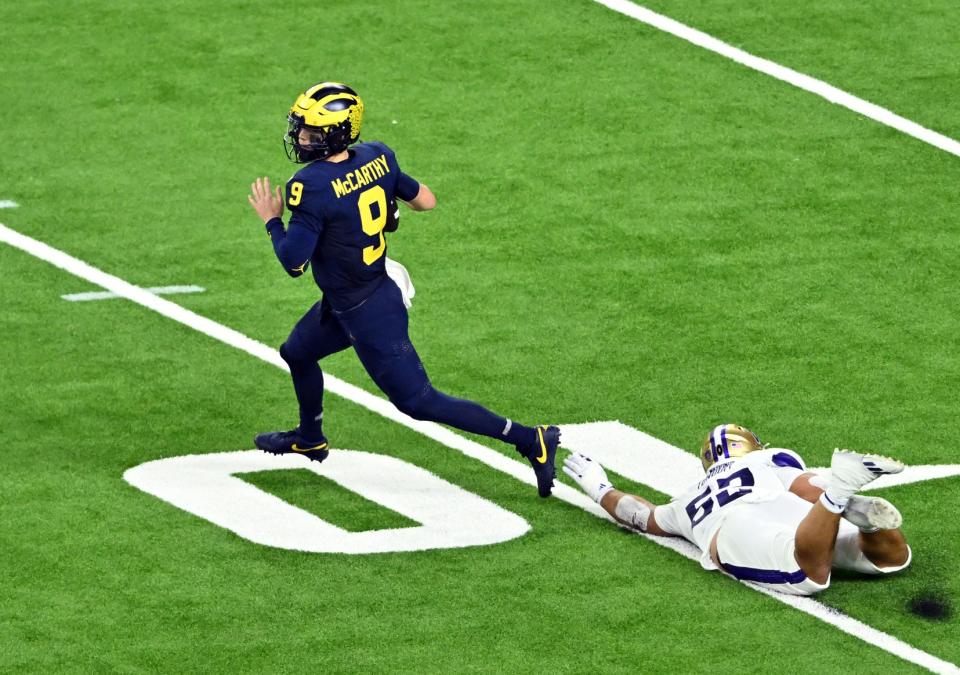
377 330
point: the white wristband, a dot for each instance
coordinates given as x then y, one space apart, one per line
603 489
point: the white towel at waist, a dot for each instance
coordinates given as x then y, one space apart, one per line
401 277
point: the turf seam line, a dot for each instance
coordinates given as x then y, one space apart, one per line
491 458
784 74
109 295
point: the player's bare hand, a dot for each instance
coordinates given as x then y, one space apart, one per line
266 202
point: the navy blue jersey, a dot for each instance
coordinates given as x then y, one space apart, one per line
338 213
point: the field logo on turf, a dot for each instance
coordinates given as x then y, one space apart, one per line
208 486
450 517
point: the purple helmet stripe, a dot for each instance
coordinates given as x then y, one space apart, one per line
715 442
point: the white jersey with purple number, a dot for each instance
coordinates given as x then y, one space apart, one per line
697 513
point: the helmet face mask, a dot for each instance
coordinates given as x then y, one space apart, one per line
330 113
728 441
316 147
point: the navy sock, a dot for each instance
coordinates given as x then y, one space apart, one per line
522 436
308 385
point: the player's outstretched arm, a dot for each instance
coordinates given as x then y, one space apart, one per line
424 201
631 510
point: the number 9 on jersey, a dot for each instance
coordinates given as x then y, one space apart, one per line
373 226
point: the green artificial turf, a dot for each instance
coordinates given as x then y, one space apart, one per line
629 228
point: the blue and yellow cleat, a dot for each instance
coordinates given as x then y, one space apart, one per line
542 453
292 443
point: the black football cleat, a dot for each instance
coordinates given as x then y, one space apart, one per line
292 443
542 453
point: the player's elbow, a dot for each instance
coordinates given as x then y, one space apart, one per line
658 527
292 260
425 199
293 267
429 199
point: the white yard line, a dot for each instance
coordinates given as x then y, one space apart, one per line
8 204
788 75
512 467
109 295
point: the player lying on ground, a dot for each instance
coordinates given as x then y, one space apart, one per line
751 516
341 204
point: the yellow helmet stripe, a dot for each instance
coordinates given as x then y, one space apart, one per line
309 93
350 100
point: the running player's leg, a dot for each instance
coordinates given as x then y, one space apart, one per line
317 335
381 340
537 444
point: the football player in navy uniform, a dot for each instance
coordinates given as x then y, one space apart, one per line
341 203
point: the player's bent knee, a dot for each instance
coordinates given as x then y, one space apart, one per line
812 589
418 407
414 409
291 354
811 585
819 575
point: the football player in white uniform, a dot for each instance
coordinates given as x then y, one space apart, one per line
760 516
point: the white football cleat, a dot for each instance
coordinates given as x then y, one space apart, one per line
850 471
872 513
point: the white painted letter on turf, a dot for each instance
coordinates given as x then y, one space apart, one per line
450 517
635 455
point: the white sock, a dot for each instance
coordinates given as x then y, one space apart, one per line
835 497
832 503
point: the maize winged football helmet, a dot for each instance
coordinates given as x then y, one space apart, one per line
331 114
726 441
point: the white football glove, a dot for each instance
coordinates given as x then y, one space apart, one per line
588 474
